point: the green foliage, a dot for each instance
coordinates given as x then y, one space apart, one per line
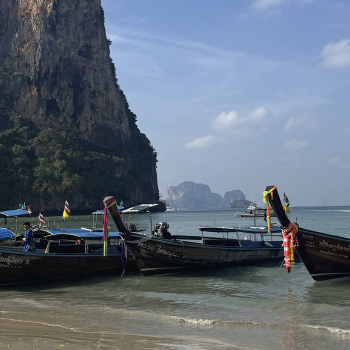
69 166
54 165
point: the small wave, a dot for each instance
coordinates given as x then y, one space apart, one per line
332 210
201 321
30 302
334 330
193 320
38 322
249 324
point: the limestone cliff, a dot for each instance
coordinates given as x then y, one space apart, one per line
64 79
232 196
191 195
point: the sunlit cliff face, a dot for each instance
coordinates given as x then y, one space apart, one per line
65 77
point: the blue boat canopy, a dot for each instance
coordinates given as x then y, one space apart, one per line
76 233
15 212
101 212
4 233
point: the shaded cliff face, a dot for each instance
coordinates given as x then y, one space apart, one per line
64 79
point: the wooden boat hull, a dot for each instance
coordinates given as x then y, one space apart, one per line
325 256
22 267
156 255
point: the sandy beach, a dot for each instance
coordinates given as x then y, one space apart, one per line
37 336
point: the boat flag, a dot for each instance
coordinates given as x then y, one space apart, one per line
66 210
105 232
41 219
286 203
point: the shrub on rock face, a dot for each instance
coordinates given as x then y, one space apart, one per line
76 138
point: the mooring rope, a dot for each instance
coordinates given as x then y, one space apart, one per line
276 272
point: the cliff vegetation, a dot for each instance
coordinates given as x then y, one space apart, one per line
66 129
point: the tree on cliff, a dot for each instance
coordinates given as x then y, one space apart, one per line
66 130
46 167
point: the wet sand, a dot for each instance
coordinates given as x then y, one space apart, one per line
37 336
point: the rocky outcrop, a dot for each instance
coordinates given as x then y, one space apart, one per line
64 79
241 203
232 196
191 195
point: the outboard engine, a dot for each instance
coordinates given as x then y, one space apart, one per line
161 230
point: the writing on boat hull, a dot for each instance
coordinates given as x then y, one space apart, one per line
146 248
10 261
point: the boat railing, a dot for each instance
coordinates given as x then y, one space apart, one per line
241 235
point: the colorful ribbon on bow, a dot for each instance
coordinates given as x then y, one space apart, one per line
267 202
290 241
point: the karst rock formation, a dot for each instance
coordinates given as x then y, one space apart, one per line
65 79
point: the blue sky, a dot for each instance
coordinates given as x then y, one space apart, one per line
240 94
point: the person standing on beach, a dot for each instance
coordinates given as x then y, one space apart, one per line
28 238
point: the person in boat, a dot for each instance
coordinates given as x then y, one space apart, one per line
161 230
29 243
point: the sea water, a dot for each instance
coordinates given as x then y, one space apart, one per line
250 307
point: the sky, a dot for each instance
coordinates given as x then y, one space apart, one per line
240 94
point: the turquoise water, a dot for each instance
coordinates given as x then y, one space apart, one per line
251 307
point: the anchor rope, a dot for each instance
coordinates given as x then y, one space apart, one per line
276 272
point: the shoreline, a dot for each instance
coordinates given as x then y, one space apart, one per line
17 334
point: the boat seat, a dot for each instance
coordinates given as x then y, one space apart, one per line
222 242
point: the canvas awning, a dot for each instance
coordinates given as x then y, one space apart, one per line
14 213
76 233
101 212
4 234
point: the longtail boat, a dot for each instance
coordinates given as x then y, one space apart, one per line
162 252
61 255
325 256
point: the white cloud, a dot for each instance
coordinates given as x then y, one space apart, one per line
199 142
335 160
336 54
305 122
258 114
226 120
306 2
230 120
270 4
295 145
293 122
265 4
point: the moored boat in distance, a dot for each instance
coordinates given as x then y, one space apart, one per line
253 211
325 256
162 252
141 208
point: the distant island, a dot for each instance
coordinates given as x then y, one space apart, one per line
191 195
